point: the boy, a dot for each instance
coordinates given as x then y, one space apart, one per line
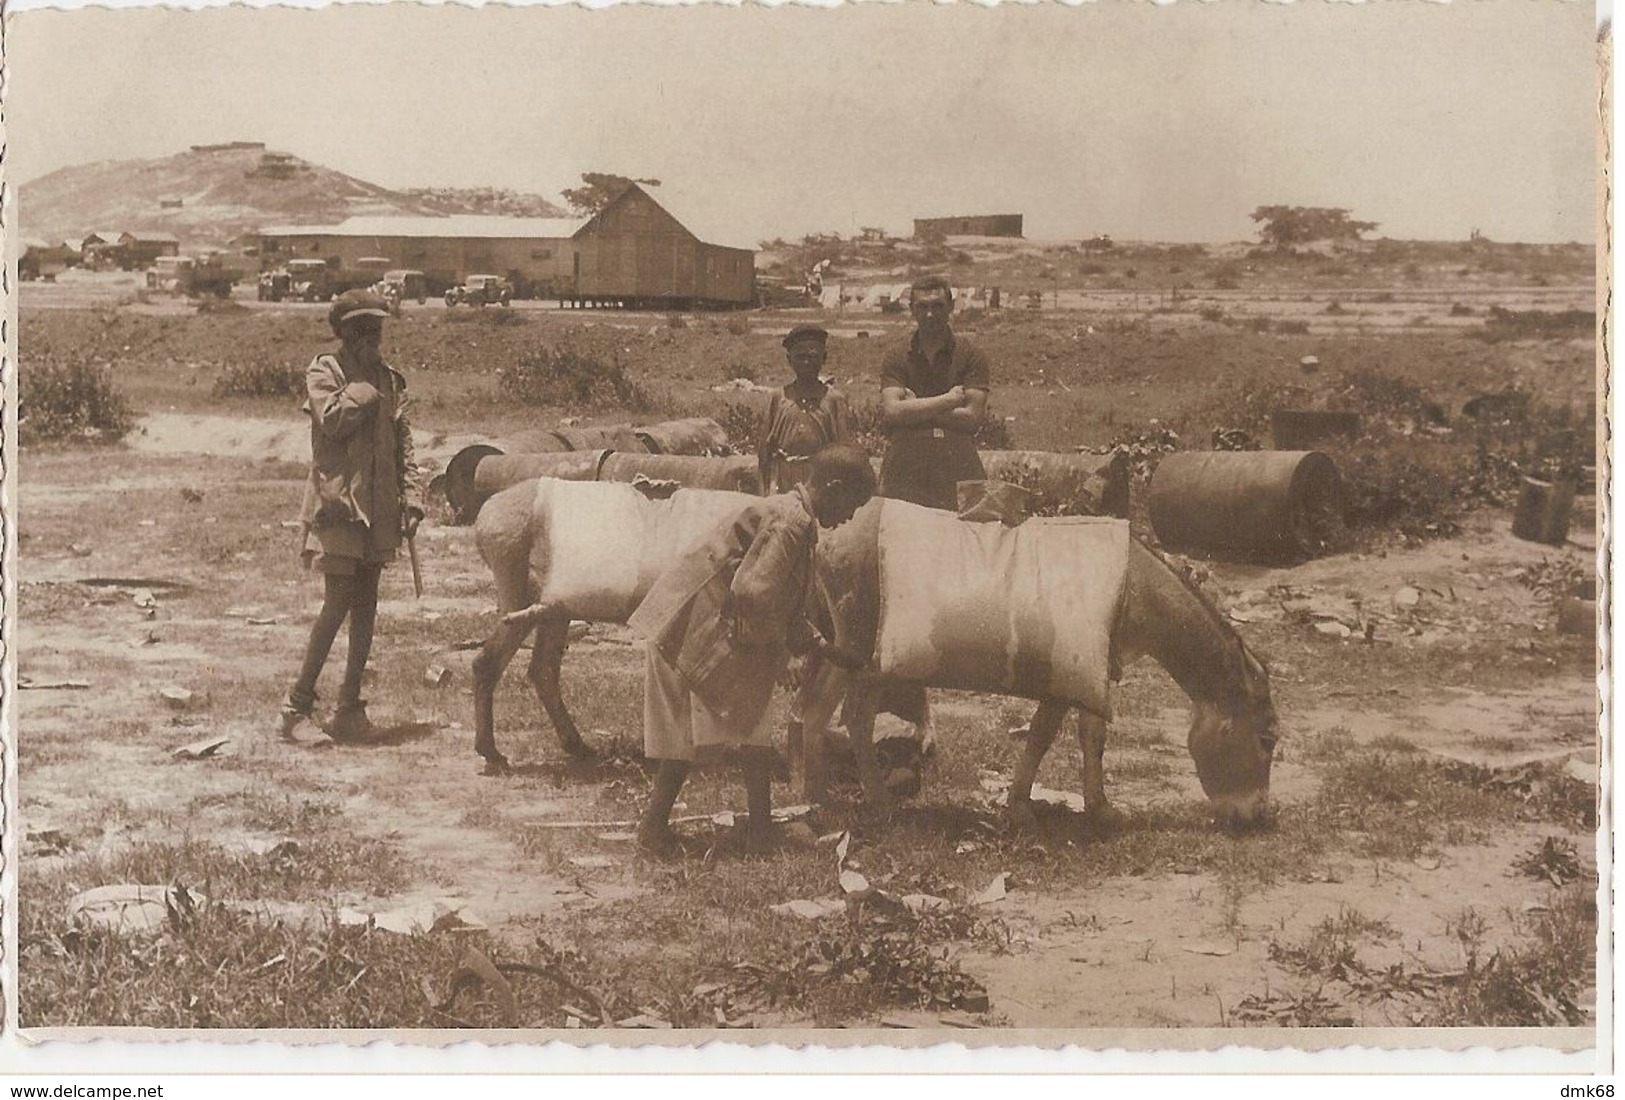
721 624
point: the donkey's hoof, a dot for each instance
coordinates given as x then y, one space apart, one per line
1103 817
1020 817
579 750
496 764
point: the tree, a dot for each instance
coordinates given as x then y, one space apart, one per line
1284 226
598 190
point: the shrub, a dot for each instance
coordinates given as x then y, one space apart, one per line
1260 324
1292 328
210 305
739 368
738 326
260 379
1334 306
571 374
70 401
1211 313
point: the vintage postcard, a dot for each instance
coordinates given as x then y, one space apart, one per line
882 525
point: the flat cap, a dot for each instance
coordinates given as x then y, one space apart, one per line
806 332
356 303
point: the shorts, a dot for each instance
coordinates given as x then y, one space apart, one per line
340 550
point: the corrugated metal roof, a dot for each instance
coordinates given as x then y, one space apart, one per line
455 225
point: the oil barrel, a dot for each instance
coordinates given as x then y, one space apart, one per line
733 473
1251 505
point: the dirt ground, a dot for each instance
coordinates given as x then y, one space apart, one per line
161 606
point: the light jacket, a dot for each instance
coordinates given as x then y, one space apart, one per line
362 465
723 613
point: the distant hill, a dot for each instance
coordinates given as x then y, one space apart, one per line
209 194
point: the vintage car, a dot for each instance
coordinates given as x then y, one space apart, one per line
401 284
481 290
309 280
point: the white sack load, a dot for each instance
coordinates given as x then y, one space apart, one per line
609 542
1025 610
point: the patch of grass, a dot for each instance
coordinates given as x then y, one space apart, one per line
73 401
261 378
1538 983
1331 948
571 374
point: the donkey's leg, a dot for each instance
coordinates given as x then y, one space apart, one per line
818 697
860 723
546 663
1041 731
1092 740
489 666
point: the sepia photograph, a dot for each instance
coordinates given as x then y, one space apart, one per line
878 525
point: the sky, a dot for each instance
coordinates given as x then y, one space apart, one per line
1146 122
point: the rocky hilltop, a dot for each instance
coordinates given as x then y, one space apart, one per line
211 193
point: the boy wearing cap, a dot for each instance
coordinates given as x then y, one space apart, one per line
362 501
802 417
721 624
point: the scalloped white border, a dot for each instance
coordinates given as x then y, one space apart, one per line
45 1051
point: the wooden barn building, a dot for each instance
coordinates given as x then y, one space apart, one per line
636 252
976 225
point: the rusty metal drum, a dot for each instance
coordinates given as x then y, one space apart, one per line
496 472
694 435
733 473
1250 505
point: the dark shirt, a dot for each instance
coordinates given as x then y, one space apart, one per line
957 363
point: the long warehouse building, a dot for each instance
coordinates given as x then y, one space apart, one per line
634 252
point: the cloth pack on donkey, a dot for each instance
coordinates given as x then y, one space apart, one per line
1025 610
609 542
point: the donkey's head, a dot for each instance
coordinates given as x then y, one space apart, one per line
1233 744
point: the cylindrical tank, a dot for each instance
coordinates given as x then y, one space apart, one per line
496 472
613 438
1065 482
694 435
458 481
1543 511
734 473
1255 505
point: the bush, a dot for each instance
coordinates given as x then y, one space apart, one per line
1211 313
261 379
738 326
211 305
571 374
70 401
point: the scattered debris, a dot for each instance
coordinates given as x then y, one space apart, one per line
809 909
592 862
1553 859
131 908
28 683
437 676
199 750
995 891
178 698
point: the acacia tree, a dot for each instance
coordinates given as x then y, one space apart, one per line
1284 226
598 190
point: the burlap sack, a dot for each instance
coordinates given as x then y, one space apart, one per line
607 542
1025 610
